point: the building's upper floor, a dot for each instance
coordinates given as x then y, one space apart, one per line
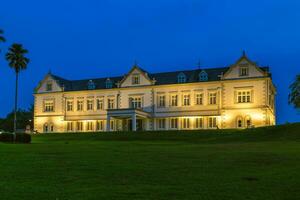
243 84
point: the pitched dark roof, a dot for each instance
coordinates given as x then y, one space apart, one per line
162 78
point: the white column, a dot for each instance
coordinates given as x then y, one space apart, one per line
108 123
133 120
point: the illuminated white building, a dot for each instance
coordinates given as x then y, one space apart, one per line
239 96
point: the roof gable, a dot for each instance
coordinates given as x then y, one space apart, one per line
141 74
55 82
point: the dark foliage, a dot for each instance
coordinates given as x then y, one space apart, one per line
294 96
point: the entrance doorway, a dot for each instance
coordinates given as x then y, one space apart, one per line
139 125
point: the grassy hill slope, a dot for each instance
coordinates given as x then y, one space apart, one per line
262 163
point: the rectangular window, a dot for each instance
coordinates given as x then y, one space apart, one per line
69 126
186 100
79 105
174 123
69 105
49 86
244 71
90 104
162 101
199 99
174 100
199 122
89 126
49 106
110 103
136 102
244 96
135 79
212 122
100 105
212 98
100 125
161 123
186 123
112 125
79 126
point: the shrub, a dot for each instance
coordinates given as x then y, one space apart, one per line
20 137
23 138
6 137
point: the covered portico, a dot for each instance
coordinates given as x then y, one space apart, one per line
127 115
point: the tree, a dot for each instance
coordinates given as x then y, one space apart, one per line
294 96
17 61
25 117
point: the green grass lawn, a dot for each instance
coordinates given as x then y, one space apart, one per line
256 164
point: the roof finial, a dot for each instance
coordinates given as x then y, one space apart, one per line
199 64
135 63
244 53
49 72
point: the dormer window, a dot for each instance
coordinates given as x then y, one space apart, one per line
108 83
135 79
181 78
203 76
49 86
91 85
244 71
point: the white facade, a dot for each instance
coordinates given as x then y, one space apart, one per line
243 96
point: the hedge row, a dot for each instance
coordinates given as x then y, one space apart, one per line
20 137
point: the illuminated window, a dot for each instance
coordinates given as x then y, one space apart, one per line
244 96
161 123
49 86
199 122
110 103
79 126
135 79
174 100
181 78
248 121
174 123
239 122
186 123
112 125
80 105
45 128
49 106
89 126
90 104
244 71
161 101
135 102
199 99
212 122
99 125
69 126
186 100
212 98
69 105
100 105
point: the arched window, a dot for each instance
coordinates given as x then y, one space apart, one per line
239 122
51 128
248 121
181 78
108 83
45 128
91 85
203 76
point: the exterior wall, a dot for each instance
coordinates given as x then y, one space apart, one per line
226 110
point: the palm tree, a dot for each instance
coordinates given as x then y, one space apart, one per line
17 61
294 96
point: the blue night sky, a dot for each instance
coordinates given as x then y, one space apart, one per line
102 38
